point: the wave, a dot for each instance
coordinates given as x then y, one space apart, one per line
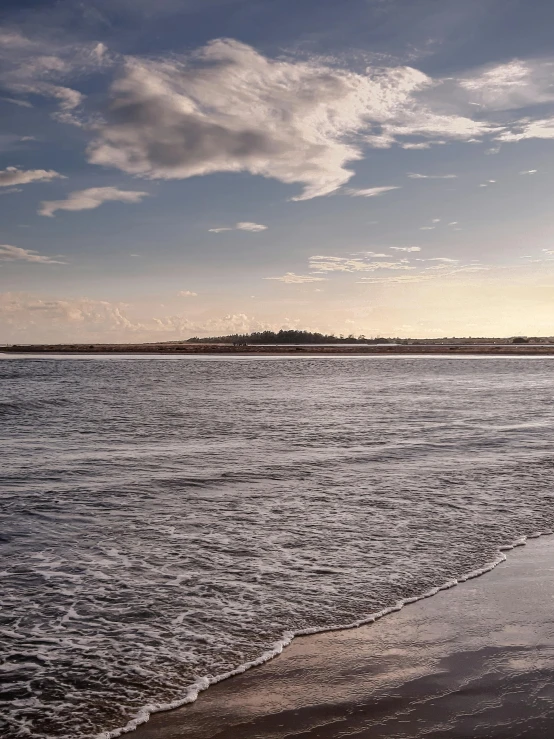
14 407
194 690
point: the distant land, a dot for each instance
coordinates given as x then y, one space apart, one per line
303 342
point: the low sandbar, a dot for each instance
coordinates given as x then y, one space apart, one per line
286 349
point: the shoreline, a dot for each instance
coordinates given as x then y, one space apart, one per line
169 721
500 350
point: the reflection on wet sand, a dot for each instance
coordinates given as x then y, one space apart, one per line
474 661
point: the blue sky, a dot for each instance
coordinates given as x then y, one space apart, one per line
196 167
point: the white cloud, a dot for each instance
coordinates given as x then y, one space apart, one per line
446 268
370 192
241 226
453 223
542 128
427 228
438 267
324 264
292 279
246 226
187 294
418 145
15 176
405 248
436 220
227 108
90 198
416 176
516 84
530 171
10 190
17 254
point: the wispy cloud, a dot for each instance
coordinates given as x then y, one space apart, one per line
292 279
405 248
15 101
241 226
443 259
373 254
10 253
322 264
416 176
15 176
509 86
247 226
40 67
91 198
369 192
445 269
420 145
395 279
529 171
187 294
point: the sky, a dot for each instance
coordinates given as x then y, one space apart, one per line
177 168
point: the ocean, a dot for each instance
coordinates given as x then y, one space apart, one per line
166 521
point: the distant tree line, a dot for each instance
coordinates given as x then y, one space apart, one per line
289 336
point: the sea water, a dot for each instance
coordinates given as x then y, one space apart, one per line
165 521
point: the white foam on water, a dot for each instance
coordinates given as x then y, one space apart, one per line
152 537
193 691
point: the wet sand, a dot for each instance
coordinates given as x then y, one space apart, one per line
474 661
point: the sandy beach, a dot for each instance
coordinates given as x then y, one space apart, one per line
504 349
473 661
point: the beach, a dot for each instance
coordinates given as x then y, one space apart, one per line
183 349
476 660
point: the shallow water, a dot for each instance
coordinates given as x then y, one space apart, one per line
165 520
